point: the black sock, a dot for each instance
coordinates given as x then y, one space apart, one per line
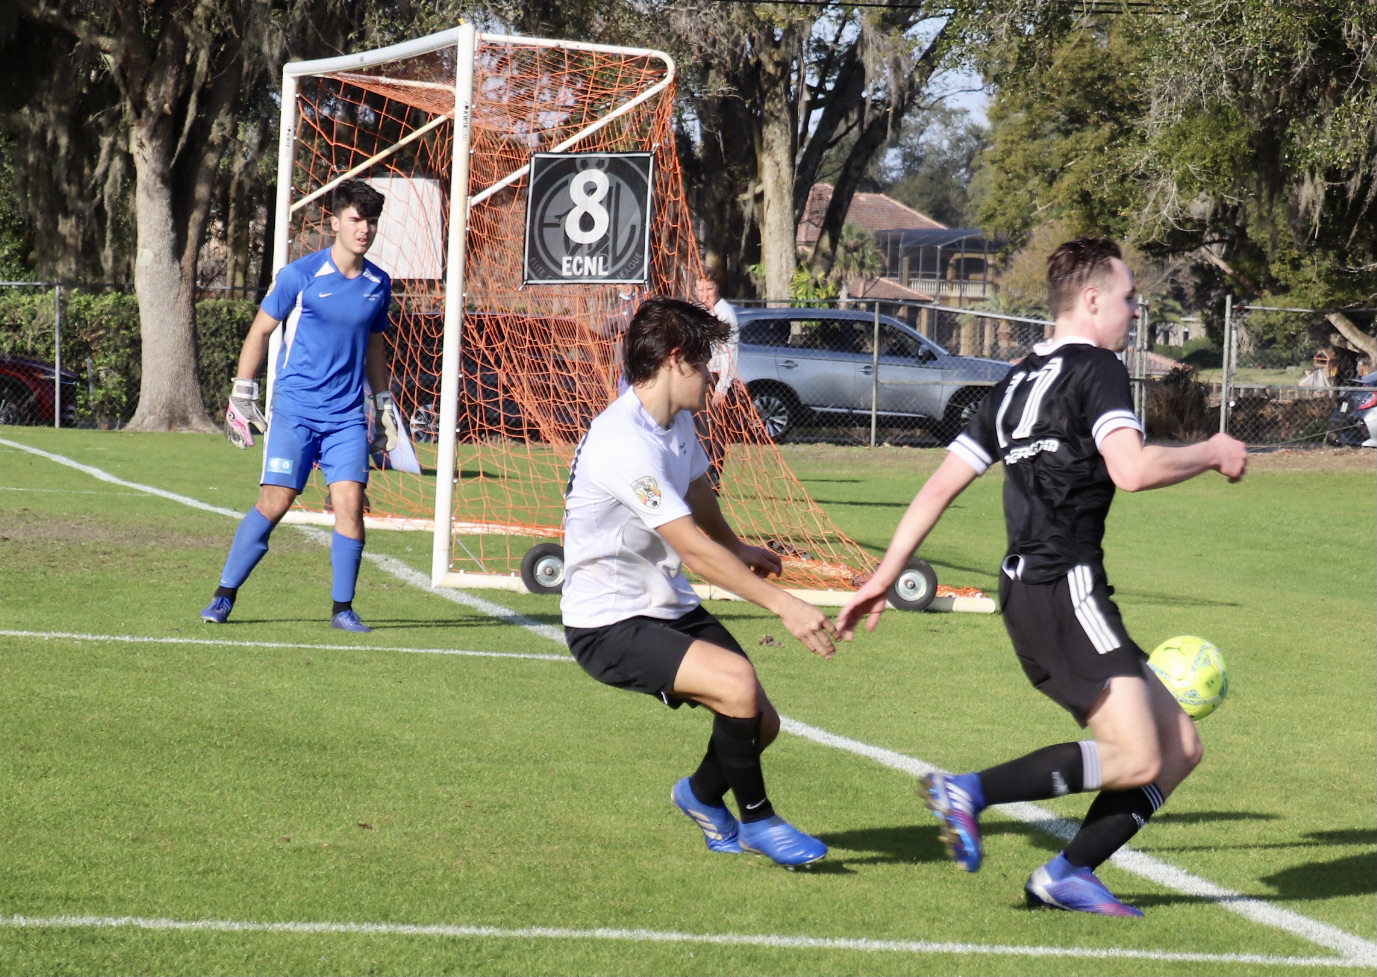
230 592
342 605
1048 772
737 745
1114 817
708 782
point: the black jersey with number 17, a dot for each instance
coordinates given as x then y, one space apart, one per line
1045 420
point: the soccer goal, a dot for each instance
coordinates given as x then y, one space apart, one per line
502 351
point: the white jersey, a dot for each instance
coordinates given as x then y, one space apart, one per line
629 476
725 354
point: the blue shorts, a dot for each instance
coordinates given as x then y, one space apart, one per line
293 444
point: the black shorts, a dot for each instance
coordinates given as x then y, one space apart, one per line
643 654
1069 637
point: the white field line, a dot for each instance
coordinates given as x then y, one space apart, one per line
37 491
660 936
309 646
1360 951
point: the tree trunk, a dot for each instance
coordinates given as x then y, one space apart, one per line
775 159
169 394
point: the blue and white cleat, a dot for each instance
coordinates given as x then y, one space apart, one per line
217 611
1079 892
950 799
718 824
781 841
348 621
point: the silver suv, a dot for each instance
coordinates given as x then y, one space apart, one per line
801 362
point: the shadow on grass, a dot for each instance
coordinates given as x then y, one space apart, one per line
1206 817
900 504
904 844
1352 875
1175 598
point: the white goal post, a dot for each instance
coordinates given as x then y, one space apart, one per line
500 360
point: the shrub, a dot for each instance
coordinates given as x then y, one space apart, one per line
1178 407
102 345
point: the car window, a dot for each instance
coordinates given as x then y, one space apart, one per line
896 342
766 332
830 335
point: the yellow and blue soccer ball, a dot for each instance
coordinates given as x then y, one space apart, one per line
1193 670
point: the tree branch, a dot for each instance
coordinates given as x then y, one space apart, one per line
1350 331
79 27
1229 270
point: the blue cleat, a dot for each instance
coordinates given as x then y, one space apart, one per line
951 799
217 611
781 841
348 621
719 827
1079 891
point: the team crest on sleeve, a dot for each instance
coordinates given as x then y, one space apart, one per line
647 491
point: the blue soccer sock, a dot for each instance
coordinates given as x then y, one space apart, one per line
345 556
249 545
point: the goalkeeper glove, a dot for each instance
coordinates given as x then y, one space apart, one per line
243 417
385 434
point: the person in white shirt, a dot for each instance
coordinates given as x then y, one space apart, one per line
721 371
724 354
638 507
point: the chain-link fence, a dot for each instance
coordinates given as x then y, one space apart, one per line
856 371
71 352
875 371
1286 377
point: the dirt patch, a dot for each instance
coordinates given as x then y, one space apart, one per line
28 526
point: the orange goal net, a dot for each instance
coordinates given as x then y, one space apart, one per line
497 380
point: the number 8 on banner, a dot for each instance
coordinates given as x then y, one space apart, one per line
589 204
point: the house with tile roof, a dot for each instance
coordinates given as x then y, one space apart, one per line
924 261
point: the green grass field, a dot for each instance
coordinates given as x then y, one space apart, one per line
275 797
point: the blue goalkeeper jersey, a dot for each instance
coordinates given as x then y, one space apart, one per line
327 320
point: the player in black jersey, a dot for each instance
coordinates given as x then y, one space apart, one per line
1062 422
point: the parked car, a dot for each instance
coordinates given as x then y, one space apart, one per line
803 363
26 391
1354 420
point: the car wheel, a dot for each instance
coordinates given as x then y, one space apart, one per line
17 405
777 408
960 409
542 568
915 587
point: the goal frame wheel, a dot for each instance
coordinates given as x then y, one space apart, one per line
915 587
542 568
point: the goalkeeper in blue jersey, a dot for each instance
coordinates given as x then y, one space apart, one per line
334 303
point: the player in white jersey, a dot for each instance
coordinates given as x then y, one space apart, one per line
335 303
638 506
1062 423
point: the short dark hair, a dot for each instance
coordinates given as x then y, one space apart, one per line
660 326
359 195
1074 265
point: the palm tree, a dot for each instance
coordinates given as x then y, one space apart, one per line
858 257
